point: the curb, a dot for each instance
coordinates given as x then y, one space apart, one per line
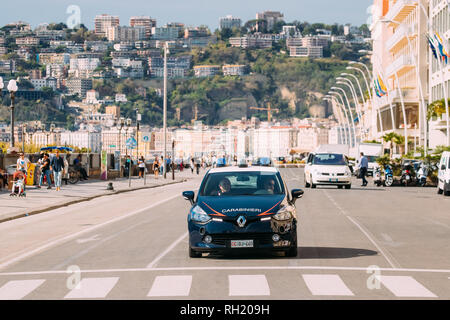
66 204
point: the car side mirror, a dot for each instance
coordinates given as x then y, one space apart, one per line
443 167
189 195
297 194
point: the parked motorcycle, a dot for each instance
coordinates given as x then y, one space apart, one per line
408 176
422 175
388 176
377 177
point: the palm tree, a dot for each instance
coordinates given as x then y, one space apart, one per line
393 139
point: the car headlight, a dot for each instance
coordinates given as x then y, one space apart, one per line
285 213
199 215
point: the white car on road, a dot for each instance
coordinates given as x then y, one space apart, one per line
327 169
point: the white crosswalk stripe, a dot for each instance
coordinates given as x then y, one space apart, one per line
171 286
238 285
18 289
326 285
91 288
405 287
248 285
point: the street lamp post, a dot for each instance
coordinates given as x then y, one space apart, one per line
12 88
350 110
339 116
120 127
348 130
360 91
165 110
369 88
47 134
128 123
355 100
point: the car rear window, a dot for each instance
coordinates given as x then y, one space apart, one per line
329 159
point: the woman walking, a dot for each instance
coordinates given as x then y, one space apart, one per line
156 167
141 164
57 165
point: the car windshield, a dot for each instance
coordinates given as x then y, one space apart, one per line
329 159
372 158
242 184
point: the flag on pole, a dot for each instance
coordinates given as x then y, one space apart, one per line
432 46
383 88
442 51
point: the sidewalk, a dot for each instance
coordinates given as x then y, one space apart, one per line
41 200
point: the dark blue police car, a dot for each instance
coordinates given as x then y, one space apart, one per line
240 209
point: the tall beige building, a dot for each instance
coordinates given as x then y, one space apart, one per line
105 21
143 21
400 61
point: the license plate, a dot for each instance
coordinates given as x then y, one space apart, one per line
242 243
334 180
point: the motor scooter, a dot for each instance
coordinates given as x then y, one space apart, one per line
388 176
377 177
422 175
407 174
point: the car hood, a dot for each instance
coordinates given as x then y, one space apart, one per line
237 205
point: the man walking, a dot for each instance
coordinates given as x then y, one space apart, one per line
363 166
45 171
57 165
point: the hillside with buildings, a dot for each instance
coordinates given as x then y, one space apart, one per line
213 76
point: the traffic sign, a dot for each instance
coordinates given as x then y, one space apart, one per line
131 143
146 138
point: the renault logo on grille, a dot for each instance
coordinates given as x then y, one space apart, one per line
241 221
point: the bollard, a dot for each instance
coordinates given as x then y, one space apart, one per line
110 186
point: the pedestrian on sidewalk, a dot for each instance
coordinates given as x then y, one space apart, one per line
141 164
127 166
155 167
57 165
22 163
45 171
363 166
79 167
161 165
192 165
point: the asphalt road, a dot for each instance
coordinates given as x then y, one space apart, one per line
363 243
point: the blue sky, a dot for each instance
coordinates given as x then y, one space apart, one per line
190 12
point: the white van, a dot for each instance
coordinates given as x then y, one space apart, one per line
444 174
327 169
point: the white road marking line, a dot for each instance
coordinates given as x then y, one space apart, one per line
77 234
171 286
173 245
93 238
361 229
405 286
248 285
18 289
91 288
326 285
181 269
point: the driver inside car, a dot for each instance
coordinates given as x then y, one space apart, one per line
223 188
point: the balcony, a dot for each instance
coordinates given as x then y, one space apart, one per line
399 38
400 65
401 10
